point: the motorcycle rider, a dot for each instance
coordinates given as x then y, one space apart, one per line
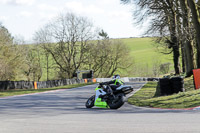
109 94
114 84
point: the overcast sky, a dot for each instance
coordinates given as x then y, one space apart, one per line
25 17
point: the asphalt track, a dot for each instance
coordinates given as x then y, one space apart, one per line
64 111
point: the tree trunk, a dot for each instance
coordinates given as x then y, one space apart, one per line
176 55
183 57
187 44
47 59
175 44
196 22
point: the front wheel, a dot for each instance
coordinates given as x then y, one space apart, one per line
117 102
90 102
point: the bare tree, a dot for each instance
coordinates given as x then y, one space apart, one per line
70 34
108 57
44 41
32 68
98 56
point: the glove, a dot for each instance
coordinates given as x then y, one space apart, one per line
101 84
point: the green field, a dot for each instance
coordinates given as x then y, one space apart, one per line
145 55
144 51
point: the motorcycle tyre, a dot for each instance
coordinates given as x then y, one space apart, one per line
90 102
119 103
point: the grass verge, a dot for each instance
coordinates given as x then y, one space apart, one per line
29 91
145 97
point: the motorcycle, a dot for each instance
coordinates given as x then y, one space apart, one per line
114 98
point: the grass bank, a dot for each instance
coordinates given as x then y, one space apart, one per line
146 97
29 91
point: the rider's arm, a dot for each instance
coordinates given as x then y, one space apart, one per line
107 83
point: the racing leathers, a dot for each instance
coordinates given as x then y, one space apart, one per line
113 84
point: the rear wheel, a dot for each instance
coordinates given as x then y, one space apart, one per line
90 102
117 102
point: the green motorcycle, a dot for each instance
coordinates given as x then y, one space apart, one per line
113 98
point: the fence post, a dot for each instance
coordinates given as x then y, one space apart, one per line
35 85
94 80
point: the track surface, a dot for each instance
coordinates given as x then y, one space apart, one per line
64 111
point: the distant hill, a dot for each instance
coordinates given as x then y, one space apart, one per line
146 57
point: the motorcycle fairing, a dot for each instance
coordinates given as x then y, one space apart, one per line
98 101
123 87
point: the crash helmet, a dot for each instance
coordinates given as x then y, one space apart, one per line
116 77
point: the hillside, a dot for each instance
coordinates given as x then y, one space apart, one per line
145 56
